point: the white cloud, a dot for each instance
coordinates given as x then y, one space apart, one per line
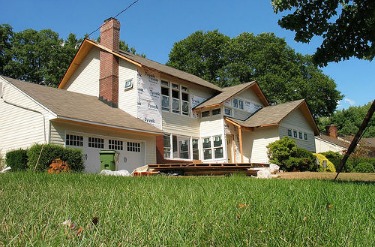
349 101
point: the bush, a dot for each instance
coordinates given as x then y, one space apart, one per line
334 157
330 167
364 167
288 156
41 156
16 159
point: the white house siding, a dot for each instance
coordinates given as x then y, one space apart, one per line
59 130
180 125
325 146
250 96
212 126
296 121
128 97
260 139
85 79
23 121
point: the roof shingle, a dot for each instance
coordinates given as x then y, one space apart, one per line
80 107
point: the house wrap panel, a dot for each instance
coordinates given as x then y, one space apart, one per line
128 96
296 121
23 121
249 95
85 79
260 139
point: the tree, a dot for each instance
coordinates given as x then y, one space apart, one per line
347 26
349 120
283 74
6 34
39 56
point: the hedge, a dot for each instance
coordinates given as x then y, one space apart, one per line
40 156
16 159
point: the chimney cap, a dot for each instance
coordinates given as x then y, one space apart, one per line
109 19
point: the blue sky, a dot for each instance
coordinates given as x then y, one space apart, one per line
153 26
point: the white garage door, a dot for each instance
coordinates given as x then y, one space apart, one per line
131 153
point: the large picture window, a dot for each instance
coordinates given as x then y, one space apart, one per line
179 147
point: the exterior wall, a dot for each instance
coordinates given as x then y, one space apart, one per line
59 130
324 146
296 121
85 79
23 121
128 97
250 96
260 138
212 126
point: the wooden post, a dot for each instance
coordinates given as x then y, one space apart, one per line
240 136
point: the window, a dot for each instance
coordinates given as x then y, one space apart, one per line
74 140
305 136
195 149
167 146
175 98
206 114
116 145
134 147
213 147
295 134
95 142
177 147
164 96
300 135
227 111
235 103
207 150
185 101
216 111
290 132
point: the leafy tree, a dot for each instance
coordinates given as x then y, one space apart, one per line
349 120
6 34
347 26
283 74
39 56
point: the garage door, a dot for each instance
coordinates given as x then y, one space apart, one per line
131 153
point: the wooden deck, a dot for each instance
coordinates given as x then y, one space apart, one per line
206 168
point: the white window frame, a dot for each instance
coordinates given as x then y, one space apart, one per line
212 147
176 105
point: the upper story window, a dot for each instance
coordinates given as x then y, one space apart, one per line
216 111
237 103
227 111
205 113
175 98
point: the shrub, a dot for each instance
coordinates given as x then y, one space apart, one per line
41 156
17 159
330 167
288 156
334 157
365 167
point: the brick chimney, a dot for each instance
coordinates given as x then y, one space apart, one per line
332 130
109 64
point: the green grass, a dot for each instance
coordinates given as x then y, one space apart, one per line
184 211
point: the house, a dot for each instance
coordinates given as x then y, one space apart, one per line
148 112
330 141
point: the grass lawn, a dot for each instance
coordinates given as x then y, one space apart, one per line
183 211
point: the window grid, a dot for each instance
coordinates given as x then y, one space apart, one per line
74 140
95 142
116 145
134 147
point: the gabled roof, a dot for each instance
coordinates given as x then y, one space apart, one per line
81 108
273 115
139 61
229 92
